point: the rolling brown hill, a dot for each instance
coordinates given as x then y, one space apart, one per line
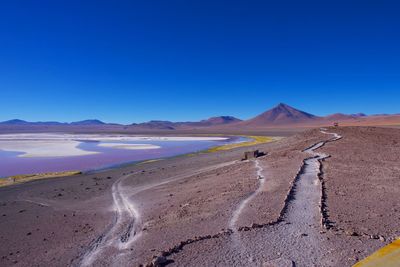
281 117
284 116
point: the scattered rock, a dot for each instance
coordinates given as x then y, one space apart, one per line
158 261
280 262
256 225
244 228
351 233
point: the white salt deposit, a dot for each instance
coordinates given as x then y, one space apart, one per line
129 146
44 148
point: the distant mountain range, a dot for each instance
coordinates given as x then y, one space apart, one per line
151 125
213 121
22 122
282 115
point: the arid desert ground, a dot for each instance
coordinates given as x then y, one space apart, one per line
322 197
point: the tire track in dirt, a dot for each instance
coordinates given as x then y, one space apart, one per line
126 213
242 205
234 231
124 230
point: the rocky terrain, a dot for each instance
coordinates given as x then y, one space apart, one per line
321 197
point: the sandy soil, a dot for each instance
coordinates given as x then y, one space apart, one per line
214 209
363 182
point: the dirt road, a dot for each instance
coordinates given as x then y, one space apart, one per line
300 204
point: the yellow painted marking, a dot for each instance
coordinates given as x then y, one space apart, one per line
388 256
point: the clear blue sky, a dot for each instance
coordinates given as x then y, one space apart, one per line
132 61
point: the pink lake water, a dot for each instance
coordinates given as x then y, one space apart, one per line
11 164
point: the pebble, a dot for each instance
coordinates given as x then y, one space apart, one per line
159 261
280 262
351 233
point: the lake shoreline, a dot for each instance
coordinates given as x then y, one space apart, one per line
91 152
24 178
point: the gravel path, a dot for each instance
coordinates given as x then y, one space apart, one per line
297 239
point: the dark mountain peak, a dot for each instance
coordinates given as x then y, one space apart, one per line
158 121
342 116
282 105
359 115
88 122
285 107
283 110
339 116
221 120
14 122
281 114
155 124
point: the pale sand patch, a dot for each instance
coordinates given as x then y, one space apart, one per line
129 146
45 148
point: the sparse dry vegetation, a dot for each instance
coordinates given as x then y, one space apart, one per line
255 141
17 179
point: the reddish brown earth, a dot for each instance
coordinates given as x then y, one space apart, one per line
185 205
363 181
